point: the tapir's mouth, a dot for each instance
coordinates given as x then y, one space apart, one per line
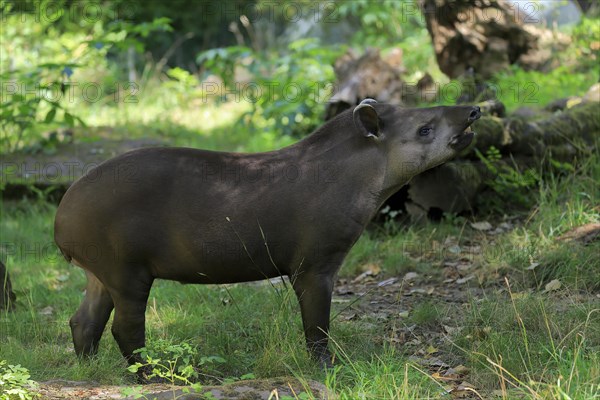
462 140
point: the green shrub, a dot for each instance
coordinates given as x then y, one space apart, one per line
55 66
287 90
15 382
171 362
510 184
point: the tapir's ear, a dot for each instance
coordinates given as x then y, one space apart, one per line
368 101
366 119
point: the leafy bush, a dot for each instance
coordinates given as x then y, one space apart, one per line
287 91
383 22
302 81
57 64
21 109
15 382
585 49
172 362
509 183
223 60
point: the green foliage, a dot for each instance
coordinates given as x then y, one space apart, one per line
384 376
172 362
302 84
575 265
299 396
383 23
15 383
206 23
46 76
426 314
510 185
21 107
519 88
584 48
223 60
392 24
286 90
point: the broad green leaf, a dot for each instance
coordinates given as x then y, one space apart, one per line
50 116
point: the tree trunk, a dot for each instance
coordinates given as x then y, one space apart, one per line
574 129
585 5
486 35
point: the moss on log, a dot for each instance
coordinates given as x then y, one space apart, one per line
563 134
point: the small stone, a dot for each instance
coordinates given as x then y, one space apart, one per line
481 226
411 276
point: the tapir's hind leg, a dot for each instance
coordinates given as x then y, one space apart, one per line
128 327
88 323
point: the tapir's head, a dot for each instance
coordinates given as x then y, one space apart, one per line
413 139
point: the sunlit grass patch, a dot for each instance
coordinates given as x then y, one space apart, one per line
383 376
532 342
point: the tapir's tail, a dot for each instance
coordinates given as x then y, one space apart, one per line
65 255
57 240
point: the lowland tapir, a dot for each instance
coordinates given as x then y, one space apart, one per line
198 216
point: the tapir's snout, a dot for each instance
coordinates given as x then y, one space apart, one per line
464 138
475 114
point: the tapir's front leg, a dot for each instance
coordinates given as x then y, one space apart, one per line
314 294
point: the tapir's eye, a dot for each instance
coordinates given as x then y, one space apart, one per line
426 130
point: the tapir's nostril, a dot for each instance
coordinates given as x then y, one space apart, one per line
475 114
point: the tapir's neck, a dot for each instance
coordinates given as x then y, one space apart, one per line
333 133
346 158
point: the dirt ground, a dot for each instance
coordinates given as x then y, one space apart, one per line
244 390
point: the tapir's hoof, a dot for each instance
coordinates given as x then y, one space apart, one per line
326 361
327 364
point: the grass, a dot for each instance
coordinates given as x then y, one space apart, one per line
517 339
385 376
534 89
524 343
191 123
518 342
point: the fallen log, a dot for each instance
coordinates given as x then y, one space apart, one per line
562 134
374 76
368 75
